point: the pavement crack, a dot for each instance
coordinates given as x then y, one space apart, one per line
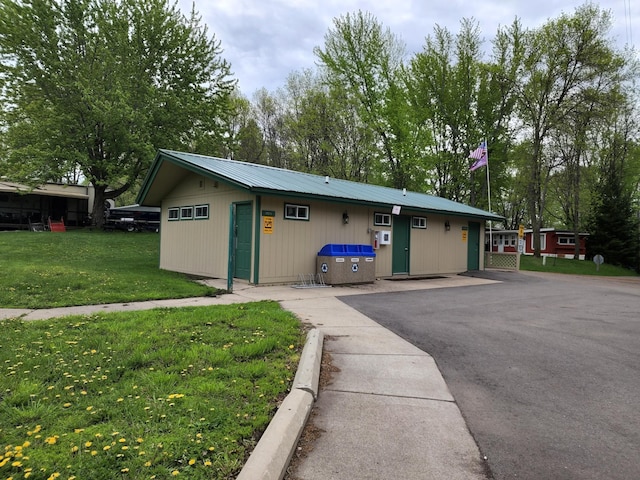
387 395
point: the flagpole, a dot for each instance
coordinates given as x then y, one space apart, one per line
489 201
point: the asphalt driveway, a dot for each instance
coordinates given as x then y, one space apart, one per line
545 368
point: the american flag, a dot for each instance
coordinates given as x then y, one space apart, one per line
480 156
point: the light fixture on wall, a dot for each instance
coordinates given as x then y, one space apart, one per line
345 218
447 225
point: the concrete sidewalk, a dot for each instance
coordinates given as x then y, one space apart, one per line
387 413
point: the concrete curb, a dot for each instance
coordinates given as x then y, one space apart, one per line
308 373
271 457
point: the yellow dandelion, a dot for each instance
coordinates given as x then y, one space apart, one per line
88 444
93 453
66 405
122 440
207 463
139 439
26 444
124 470
106 447
147 464
192 461
74 449
175 473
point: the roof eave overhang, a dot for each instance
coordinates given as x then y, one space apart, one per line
367 203
163 156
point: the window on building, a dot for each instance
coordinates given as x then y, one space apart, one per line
543 241
382 219
174 214
566 240
296 212
186 213
201 212
419 222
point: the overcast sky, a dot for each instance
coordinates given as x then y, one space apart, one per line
266 40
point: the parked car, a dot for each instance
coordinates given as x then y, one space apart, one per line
133 218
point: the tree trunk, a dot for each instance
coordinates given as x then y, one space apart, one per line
97 214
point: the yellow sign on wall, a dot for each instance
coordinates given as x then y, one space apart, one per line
521 231
267 225
464 235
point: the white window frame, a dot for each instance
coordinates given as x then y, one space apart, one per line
296 212
382 219
543 241
204 214
176 211
567 241
184 215
419 222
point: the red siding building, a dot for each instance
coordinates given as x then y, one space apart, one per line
553 243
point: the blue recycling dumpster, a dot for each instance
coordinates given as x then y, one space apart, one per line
344 263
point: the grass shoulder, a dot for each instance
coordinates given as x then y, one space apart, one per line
149 394
571 266
45 269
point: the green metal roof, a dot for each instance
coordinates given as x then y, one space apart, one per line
262 179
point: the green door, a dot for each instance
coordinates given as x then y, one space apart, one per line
473 246
400 245
242 241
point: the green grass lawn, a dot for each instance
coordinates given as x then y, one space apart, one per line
45 269
576 267
151 394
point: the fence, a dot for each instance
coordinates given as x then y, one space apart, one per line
505 261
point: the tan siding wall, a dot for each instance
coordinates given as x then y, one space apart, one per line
198 247
437 251
293 246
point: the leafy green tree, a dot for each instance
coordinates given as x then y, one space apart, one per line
268 111
99 85
460 101
364 61
324 131
615 218
442 88
558 63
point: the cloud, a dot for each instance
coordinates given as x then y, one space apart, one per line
266 40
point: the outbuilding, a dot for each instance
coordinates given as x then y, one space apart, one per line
227 219
21 205
554 242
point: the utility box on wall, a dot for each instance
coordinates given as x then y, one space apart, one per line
341 264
